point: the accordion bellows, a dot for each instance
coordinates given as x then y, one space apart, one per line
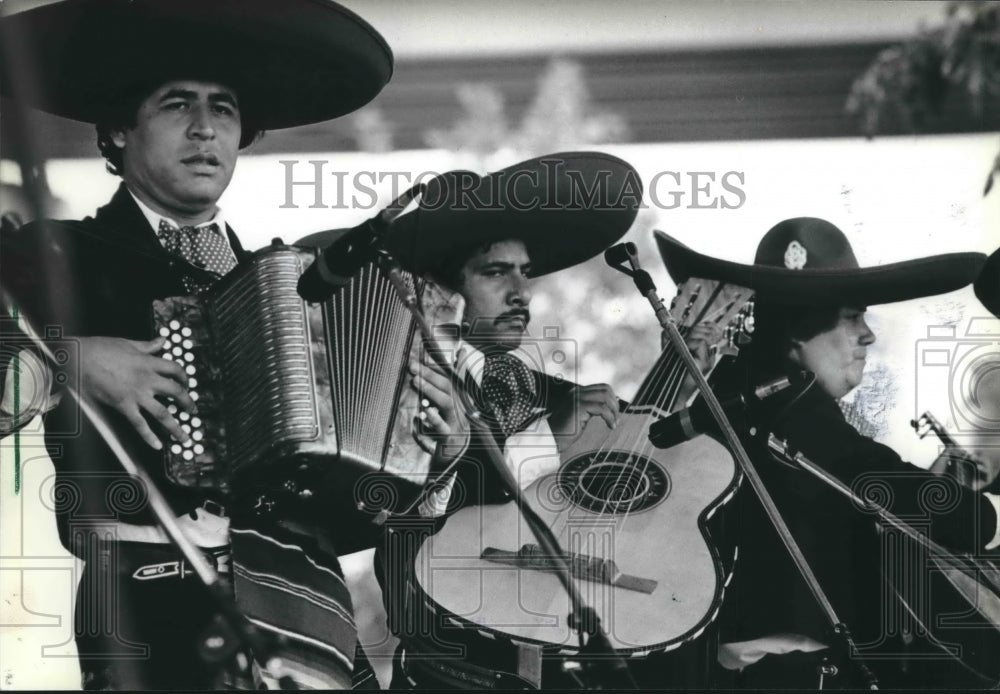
286 389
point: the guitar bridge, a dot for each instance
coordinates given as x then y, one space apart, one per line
582 566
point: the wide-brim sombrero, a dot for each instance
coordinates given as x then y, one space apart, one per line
808 261
565 207
987 285
291 62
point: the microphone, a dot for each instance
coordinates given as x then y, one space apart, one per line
616 255
697 419
351 251
340 261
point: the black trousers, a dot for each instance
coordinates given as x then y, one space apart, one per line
142 634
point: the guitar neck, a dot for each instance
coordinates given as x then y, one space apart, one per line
728 308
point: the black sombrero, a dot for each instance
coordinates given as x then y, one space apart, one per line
565 207
809 261
987 285
292 62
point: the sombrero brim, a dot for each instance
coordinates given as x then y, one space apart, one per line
987 286
291 62
882 284
543 202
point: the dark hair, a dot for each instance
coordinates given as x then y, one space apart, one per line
120 113
449 271
777 327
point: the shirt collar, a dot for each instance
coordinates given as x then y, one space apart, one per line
154 218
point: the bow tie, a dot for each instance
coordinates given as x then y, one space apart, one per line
203 246
510 392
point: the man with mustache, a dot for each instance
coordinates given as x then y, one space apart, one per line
170 123
811 299
482 241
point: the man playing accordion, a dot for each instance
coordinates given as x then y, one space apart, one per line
176 89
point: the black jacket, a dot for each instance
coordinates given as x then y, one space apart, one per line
839 540
96 277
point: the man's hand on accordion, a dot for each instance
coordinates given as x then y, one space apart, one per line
441 425
129 377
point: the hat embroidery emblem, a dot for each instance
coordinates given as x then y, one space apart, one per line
795 256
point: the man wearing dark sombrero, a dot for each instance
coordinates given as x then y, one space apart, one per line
176 88
811 297
987 285
484 240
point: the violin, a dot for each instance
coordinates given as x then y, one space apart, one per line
953 603
954 460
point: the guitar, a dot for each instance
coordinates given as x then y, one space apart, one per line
633 520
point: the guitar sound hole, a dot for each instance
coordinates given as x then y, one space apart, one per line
618 482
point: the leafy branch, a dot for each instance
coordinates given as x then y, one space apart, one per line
908 83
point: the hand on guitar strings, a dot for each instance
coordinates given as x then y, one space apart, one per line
570 416
130 377
703 340
441 424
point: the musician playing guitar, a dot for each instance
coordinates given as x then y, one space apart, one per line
811 298
170 122
487 239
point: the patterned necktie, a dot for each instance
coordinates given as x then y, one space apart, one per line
510 392
203 246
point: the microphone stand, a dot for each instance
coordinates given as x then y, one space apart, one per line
592 638
615 257
245 632
23 80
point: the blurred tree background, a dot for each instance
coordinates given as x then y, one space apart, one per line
594 307
956 64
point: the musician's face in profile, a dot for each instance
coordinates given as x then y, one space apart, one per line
837 356
180 155
495 284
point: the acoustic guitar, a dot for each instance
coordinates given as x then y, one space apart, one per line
633 520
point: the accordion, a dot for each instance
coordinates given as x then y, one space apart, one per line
288 390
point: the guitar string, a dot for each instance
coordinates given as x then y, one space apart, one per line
661 378
665 385
665 390
667 393
668 396
652 383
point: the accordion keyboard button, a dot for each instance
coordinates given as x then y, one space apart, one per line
175 449
186 331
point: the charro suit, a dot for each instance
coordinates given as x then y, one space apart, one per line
839 539
99 277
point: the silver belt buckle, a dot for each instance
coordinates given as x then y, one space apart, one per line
167 569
